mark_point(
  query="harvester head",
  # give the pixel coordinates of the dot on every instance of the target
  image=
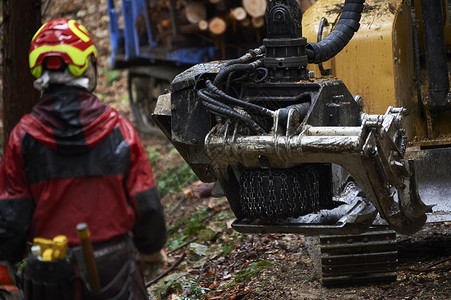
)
(293, 153)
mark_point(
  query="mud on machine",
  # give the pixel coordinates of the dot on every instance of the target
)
(295, 154)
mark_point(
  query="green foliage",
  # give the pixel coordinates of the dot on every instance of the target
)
(250, 271)
(195, 222)
(187, 289)
(194, 289)
(191, 224)
(175, 241)
(173, 150)
(153, 155)
(125, 98)
(223, 215)
(112, 75)
(20, 265)
(170, 283)
(227, 247)
(175, 179)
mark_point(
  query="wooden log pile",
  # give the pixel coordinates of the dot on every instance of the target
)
(197, 23)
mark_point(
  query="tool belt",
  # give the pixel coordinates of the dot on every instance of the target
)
(115, 260)
(42, 280)
(116, 266)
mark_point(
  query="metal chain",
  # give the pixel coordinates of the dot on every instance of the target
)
(260, 195)
(245, 194)
(299, 192)
(285, 198)
(272, 201)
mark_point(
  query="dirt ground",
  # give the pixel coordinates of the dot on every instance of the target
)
(424, 270)
(283, 265)
(219, 263)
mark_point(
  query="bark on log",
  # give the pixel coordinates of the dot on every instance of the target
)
(170, 41)
(224, 20)
(246, 22)
(192, 28)
(258, 22)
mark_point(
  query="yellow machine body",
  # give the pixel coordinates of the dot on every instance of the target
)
(378, 64)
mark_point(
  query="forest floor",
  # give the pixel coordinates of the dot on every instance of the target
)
(217, 262)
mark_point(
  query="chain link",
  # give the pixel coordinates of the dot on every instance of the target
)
(260, 196)
(275, 194)
(285, 197)
(272, 205)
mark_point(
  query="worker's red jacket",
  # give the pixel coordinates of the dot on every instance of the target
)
(73, 159)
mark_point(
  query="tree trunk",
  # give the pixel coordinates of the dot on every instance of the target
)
(192, 28)
(255, 8)
(217, 26)
(258, 22)
(195, 12)
(246, 22)
(21, 19)
(238, 13)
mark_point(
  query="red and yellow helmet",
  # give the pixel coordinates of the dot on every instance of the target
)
(61, 40)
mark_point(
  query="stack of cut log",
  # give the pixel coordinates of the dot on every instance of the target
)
(187, 23)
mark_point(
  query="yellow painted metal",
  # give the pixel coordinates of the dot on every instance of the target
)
(378, 63)
(366, 64)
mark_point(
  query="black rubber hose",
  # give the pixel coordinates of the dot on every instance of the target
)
(232, 114)
(236, 101)
(220, 99)
(219, 79)
(209, 99)
(250, 55)
(347, 25)
(231, 78)
(225, 110)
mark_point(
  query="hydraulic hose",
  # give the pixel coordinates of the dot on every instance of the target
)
(225, 110)
(219, 79)
(331, 45)
(219, 99)
(236, 101)
(251, 54)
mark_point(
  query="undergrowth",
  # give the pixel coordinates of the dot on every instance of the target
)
(171, 179)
